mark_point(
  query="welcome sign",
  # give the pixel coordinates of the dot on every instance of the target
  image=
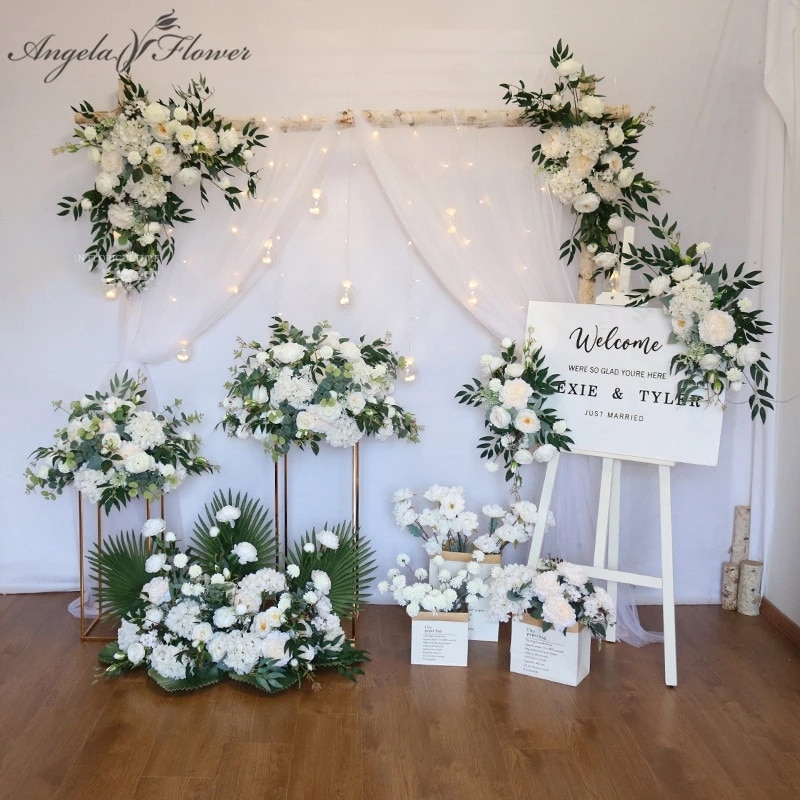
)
(616, 393)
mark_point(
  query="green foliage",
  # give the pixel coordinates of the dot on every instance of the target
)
(350, 567)
(196, 680)
(212, 553)
(117, 569)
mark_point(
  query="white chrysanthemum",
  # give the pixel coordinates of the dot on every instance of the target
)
(165, 660)
(182, 618)
(243, 650)
(555, 142)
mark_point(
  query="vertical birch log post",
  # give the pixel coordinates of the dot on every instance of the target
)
(740, 548)
(730, 585)
(749, 598)
(586, 283)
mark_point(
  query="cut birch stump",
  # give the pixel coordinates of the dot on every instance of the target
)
(740, 548)
(749, 598)
(730, 585)
(586, 282)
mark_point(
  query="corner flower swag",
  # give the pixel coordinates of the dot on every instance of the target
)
(114, 450)
(558, 593)
(456, 591)
(450, 527)
(710, 315)
(142, 151)
(220, 609)
(589, 157)
(302, 390)
(514, 392)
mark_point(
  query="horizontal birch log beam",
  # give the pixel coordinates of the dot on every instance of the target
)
(468, 118)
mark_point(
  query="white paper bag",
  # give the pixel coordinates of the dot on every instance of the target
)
(440, 639)
(552, 655)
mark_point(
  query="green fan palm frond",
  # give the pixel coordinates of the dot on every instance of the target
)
(213, 553)
(350, 567)
(117, 569)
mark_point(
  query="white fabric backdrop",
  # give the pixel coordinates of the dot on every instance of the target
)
(357, 57)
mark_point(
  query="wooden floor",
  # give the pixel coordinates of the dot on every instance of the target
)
(731, 729)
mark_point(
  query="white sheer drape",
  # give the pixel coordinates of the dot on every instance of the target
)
(207, 279)
(470, 202)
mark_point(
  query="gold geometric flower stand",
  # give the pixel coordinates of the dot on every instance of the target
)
(88, 623)
(281, 487)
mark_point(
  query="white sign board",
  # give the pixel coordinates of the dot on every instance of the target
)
(617, 393)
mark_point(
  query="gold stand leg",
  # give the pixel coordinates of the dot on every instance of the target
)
(356, 513)
(85, 629)
(281, 497)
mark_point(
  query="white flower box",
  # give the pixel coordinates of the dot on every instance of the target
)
(552, 655)
(440, 639)
(482, 628)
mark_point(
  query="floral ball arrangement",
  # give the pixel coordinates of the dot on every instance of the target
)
(143, 152)
(306, 389)
(114, 450)
(558, 593)
(711, 316)
(513, 392)
(588, 153)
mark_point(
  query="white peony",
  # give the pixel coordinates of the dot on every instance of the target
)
(229, 139)
(523, 456)
(514, 370)
(120, 216)
(157, 590)
(328, 539)
(288, 352)
(515, 393)
(717, 328)
(136, 653)
(606, 261)
(228, 514)
(544, 453)
(207, 138)
(245, 552)
(586, 203)
(155, 563)
(658, 285)
(616, 223)
(105, 183)
(625, 177)
(321, 581)
(709, 361)
(559, 427)
(558, 612)
(499, 417)
(188, 176)
(616, 136)
(153, 527)
(747, 355)
(684, 272)
(185, 135)
(569, 68)
(592, 106)
(155, 113)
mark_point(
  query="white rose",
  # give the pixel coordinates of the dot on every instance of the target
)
(615, 223)
(105, 183)
(111, 161)
(569, 67)
(127, 275)
(747, 354)
(157, 151)
(157, 591)
(224, 617)
(153, 527)
(544, 453)
(625, 177)
(245, 552)
(188, 176)
(586, 203)
(288, 352)
(321, 581)
(327, 539)
(612, 160)
(514, 370)
(94, 155)
(616, 136)
(556, 101)
(349, 350)
(155, 563)
(527, 422)
(592, 105)
(684, 272)
(260, 394)
(709, 361)
(136, 463)
(523, 456)
(717, 328)
(702, 247)
(499, 417)
(136, 653)
(559, 427)
(155, 113)
(506, 342)
(185, 135)
(658, 285)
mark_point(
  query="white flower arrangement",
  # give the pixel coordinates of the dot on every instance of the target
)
(454, 591)
(114, 450)
(205, 614)
(513, 392)
(302, 390)
(558, 593)
(589, 156)
(448, 526)
(710, 315)
(142, 152)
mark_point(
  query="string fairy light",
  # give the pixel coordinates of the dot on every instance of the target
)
(408, 369)
(184, 351)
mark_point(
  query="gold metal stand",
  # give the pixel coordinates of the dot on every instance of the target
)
(85, 629)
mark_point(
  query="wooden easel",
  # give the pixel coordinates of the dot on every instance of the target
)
(605, 565)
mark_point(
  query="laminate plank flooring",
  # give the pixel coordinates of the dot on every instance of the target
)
(730, 729)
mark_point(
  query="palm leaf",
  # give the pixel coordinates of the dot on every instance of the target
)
(117, 568)
(350, 567)
(254, 526)
(196, 680)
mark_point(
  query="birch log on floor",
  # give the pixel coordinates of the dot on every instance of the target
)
(730, 585)
(740, 548)
(749, 598)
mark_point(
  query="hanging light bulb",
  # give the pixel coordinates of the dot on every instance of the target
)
(269, 253)
(317, 203)
(184, 352)
(473, 293)
(408, 369)
(345, 298)
(111, 293)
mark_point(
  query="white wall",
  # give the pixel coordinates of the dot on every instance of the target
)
(697, 63)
